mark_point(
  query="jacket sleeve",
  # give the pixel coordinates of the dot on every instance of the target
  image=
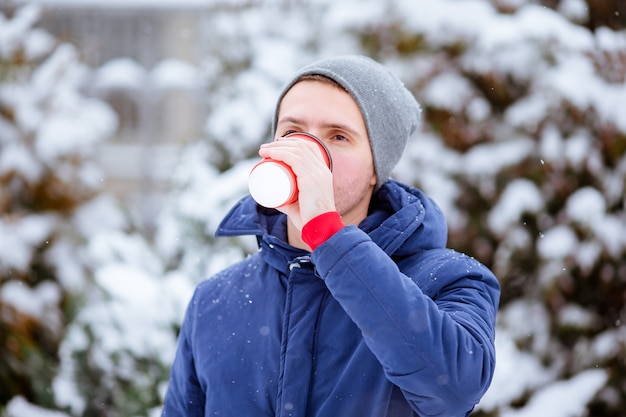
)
(431, 326)
(184, 397)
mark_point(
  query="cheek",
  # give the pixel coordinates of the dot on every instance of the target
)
(350, 172)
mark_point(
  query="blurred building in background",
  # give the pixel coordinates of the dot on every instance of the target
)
(144, 56)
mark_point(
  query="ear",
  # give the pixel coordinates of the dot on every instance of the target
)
(373, 180)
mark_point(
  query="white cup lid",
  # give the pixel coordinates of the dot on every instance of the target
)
(271, 185)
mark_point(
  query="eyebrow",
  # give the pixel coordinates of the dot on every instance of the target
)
(338, 126)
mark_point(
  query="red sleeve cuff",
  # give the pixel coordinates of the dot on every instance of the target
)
(319, 229)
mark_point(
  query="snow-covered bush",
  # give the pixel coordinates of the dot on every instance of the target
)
(86, 310)
(48, 132)
(523, 145)
(525, 148)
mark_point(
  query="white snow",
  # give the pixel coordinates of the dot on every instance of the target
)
(60, 135)
(516, 372)
(122, 73)
(577, 71)
(565, 398)
(539, 23)
(37, 44)
(519, 197)
(588, 254)
(173, 74)
(18, 239)
(486, 160)
(577, 148)
(612, 233)
(551, 145)
(576, 10)
(557, 243)
(573, 315)
(448, 91)
(528, 111)
(18, 159)
(134, 300)
(38, 302)
(448, 19)
(67, 265)
(608, 40)
(99, 215)
(20, 407)
(16, 31)
(586, 206)
(609, 343)
(124, 3)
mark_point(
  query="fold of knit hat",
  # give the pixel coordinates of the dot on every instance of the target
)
(391, 113)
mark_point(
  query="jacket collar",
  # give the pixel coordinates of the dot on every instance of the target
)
(402, 221)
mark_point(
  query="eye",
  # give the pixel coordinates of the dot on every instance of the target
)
(339, 138)
(288, 132)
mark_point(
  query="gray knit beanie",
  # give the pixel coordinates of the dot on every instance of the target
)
(390, 111)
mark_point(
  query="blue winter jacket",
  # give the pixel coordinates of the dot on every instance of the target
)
(380, 320)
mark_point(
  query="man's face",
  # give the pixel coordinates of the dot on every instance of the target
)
(331, 114)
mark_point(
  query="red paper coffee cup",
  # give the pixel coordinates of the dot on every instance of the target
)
(273, 184)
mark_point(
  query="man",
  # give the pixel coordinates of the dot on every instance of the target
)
(352, 307)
